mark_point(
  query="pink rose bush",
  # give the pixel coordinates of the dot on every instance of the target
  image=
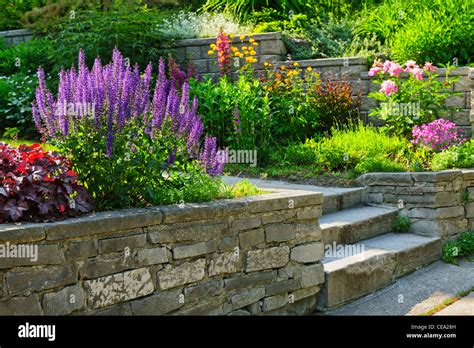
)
(413, 93)
(438, 135)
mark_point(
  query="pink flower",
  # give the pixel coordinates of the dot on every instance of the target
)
(395, 69)
(430, 67)
(410, 65)
(438, 135)
(374, 71)
(386, 66)
(388, 87)
(417, 73)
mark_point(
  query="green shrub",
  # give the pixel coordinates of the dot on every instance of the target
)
(299, 154)
(135, 31)
(241, 189)
(463, 246)
(17, 92)
(237, 113)
(454, 157)
(401, 224)
(26, 57)
(13, 10)
(422, 30)
(378, 164)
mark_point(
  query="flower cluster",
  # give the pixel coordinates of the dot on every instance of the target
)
(394, 69)
(225, 51)
(438, 135)
(118, 95)
(37, 185)
(288, 76)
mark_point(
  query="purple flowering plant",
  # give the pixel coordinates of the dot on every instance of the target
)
(438, 135)
(130, 145)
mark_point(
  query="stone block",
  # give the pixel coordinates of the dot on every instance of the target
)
(185, 273)
(185, 251)
(225, 263)
(118, 287)
(312, 275)
(111, 245)
(65, 301)
(198, 292)
(245, 281)
(26, 281)
(246, 298)
(273, 302)
(30, 255)
(251, 238)
(282, 287)
(307, 253)
(279, 232)
(82, 250)
(161, 302)
(267, 258)
(152, 256)
(29, 305)
(247, 223)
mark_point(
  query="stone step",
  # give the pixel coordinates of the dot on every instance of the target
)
(335, 198)
(356, 224)
(373, 264)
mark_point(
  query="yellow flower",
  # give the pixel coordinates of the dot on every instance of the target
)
(213, 46)
(234, 49)
(283, 67)
(295, 64)
(210, 52)
(265, 63)
(252, 53)
(248, 59)
(255, 60)
(250, 35)
(252, 40)
(270, 88)
(245, 48)
(309, 69)
(242, 37)
(219, 42)
(232, 36)
(255, 43)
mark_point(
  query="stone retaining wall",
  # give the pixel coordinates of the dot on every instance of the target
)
(439, 204)
(255, 255)
(13, 37)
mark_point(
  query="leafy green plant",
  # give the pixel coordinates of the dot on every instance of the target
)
(401, 224)
(13, 10)
(17, 94)
(409, 94)
(454, 157)
(456, 249)
(422, 30)
(241, 189)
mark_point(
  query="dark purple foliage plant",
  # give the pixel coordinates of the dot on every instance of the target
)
(131, 145)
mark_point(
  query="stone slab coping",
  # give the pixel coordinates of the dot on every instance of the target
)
(16, 32)
(210, 40)
(407, 178)
(278, 185)
(126, 219)
(323, 62)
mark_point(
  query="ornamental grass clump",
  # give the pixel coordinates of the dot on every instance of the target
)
(131, 147)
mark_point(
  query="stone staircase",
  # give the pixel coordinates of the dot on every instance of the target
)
(362, 254)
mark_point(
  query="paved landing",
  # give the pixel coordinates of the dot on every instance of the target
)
(418, 292)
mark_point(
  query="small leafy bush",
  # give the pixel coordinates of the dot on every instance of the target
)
(351, 145)
(36, 185)
(437, 135)
(241, 189)
(17, 92)
(462, 247)
(454, 157)
(187, 25)
(130, 149)
(401, 224)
